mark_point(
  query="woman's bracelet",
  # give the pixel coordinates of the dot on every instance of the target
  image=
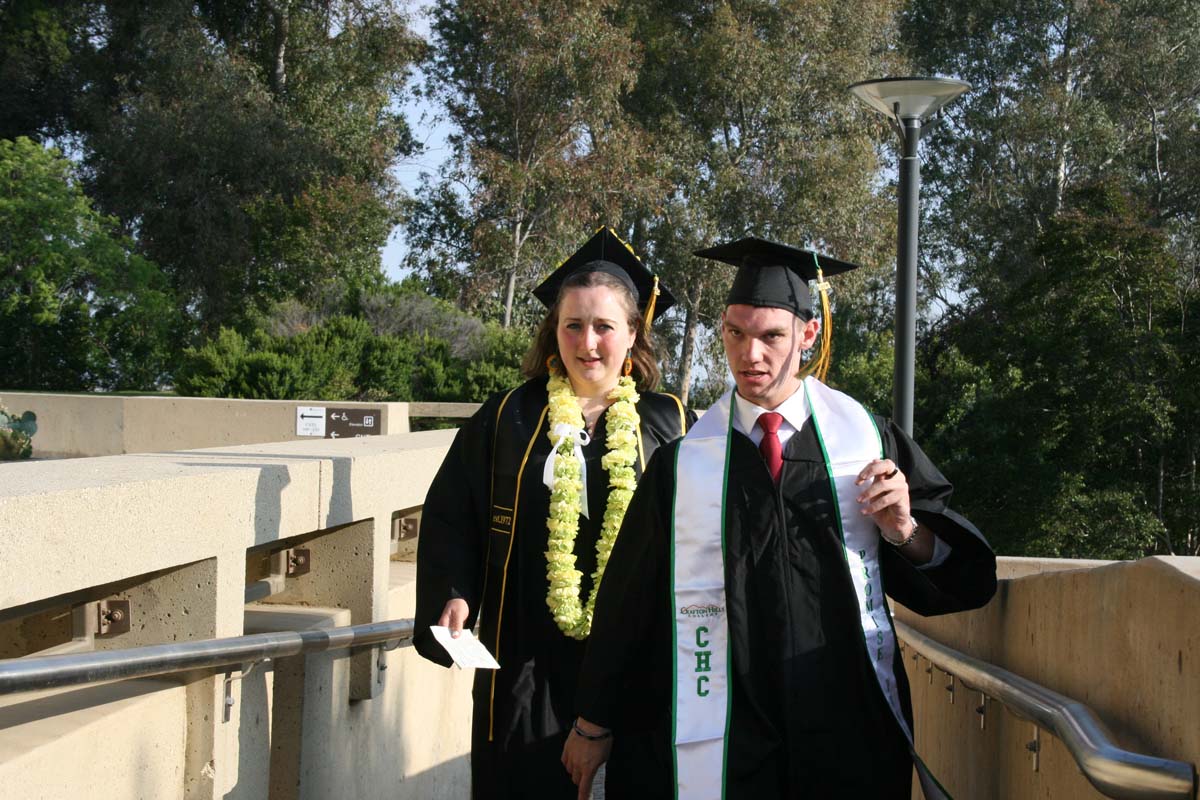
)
(594, 737)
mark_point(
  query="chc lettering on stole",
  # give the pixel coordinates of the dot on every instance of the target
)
(703, 661)
(698, 648)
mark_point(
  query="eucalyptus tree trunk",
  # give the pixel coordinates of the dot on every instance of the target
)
(279, 15)
(1062, 148)
(1193, 546)
(510, 289)
(690, 325)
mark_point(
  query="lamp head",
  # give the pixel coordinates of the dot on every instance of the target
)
(908, 98)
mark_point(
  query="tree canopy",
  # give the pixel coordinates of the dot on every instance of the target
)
(216, 221)
(244, 147)
(79, 309)
(542, 154)
(1060, 234)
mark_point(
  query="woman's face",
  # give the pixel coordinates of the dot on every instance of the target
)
(593, 338)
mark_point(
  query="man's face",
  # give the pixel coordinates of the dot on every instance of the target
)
(763, 346)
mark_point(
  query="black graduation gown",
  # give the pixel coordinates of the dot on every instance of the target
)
(808, 718)
(523, 711)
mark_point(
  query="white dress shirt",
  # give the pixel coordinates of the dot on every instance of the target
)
(795, 412)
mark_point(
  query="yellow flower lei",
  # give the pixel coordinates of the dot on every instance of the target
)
(573, 618)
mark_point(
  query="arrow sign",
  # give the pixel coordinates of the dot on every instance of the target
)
(353, 422)
(310, 420)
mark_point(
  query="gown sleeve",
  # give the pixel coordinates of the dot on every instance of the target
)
(967, 578)
(450, 548)
(616, 663)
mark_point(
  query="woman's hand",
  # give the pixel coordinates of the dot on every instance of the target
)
(582, 757)
(454, 616)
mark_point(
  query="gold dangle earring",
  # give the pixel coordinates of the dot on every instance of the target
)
(552, 364)
(628, 369)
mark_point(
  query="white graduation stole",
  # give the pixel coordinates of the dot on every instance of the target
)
(701, 695)
(849, 439)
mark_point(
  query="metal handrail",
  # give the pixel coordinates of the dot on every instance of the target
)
(1114, 772)
(49, 672)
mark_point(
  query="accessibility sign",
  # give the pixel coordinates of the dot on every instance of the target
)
(338, 423)
(342, 423)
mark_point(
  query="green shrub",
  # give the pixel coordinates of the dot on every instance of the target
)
(209, 371)
(496, 364)
(273, 376)
(330, 354)
(439, 375)
(344, 358)
(388, 367)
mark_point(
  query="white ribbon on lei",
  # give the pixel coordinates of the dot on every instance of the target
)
(561, 434)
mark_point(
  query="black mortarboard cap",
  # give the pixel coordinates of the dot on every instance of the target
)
(607, 252)
(772, 274)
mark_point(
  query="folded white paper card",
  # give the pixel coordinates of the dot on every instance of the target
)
(467, 651)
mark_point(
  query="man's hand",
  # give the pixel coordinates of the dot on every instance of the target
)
(886, 501)
(886, 498)
(454, 616)
(582, 757)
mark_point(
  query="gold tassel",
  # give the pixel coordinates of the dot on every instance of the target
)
(650, 304)
(825, 357)
(818, 365)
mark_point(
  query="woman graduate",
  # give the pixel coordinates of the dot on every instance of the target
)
(520, 519)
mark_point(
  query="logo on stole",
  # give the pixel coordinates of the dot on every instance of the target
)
(698, 611)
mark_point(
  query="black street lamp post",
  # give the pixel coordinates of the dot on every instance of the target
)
(908, 103)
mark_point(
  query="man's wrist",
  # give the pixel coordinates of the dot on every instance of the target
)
(589, 730)
(901, 540)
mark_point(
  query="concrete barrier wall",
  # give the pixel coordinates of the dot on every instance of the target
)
(58, 745)
(175, 533)
(80, 425)
(1121, 637)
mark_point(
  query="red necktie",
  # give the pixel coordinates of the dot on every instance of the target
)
(771, 449)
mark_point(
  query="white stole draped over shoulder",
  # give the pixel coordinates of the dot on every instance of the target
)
(701, 693)
(701, 704)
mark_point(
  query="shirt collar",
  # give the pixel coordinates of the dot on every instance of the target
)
(794, 410)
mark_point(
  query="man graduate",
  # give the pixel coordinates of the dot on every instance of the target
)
(742, 646)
